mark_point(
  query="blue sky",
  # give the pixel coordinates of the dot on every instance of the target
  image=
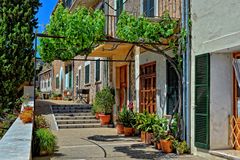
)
(44, 13)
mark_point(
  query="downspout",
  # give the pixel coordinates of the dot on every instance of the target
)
(183, 70)
(188, 69)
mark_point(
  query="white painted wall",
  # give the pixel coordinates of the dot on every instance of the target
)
(220, 99)
(148, 57)
(215, 25)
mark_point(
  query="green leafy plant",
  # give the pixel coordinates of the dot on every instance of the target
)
(40, 122)
(181, 147)
(104, 101)
(127, 117)
(45, 140)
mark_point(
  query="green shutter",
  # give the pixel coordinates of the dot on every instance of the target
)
(97, 74)
(202, 97)
(70, 76)
(119, 7)
(57, 82)
(87, 74)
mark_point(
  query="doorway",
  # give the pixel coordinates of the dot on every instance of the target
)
(236, 107)
(123, 86)
(148, 87)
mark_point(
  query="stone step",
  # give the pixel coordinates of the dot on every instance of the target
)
(72, 107)
(83, 121)
(93, 125)
(73, 117)
(73, 114)
(72, 111)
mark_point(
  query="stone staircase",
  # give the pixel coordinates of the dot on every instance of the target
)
(75, 116)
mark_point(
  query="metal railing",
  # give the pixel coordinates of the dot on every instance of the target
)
(111, 25)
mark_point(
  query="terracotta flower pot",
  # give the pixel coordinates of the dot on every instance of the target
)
(143, 136)
(159, 147)
(120, 129)
(105, 119)
(166, 146)
(97, 115)
(128, 131)
(148, 139)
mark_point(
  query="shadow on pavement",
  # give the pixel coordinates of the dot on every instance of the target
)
(112, 138)
(140, 151)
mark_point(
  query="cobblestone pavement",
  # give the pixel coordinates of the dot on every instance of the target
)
(104, 143)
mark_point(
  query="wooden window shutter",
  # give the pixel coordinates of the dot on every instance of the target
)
(119, 7)
(202, 97)
(118, 77)
(97, 75)
(87, 67)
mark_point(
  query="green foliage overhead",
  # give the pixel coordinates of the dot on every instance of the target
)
(142, 29)
(17, 21)
(82, 29)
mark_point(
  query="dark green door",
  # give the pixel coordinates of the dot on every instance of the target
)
(202, 96)
(172, 88)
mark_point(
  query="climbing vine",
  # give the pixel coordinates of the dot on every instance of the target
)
(81, 30)
(157, 37)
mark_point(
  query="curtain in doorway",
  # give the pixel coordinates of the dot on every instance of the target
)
(236, 66)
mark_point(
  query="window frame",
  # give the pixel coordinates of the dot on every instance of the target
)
(155, 8)
(95, 75)
(89, 72)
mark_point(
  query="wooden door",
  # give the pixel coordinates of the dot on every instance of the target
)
(236, 104)
(123, 86)
(148, 87)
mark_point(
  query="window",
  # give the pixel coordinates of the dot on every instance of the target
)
(77, 80)
(48, 82)
(148, 8)
(68, 3)
(97, 71)
(119, 7)
(87, 73)
(57, 82)
(70, 76)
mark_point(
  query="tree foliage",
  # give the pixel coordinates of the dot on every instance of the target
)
(17, 21)
(81, 28)
(141, 29)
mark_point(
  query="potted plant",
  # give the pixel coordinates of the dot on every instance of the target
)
(59, 96)
(181, 147)
(140, 125)
(104, 100)
(166, 142)
(46, 141)
(95, 111)
(120, 126)
(158, 128)
(128, 121)
(147, 127)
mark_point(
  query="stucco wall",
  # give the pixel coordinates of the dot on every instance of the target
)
(215, 25)
(147, 57)
(220, 99)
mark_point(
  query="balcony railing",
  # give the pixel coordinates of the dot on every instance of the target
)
(111, 25)
(172, 6)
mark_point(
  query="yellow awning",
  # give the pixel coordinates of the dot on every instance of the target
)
(111, 50)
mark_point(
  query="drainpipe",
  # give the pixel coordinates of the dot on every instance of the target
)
(184, 70)
(188, 70)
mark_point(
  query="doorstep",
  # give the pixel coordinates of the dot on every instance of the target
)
(228, 154)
